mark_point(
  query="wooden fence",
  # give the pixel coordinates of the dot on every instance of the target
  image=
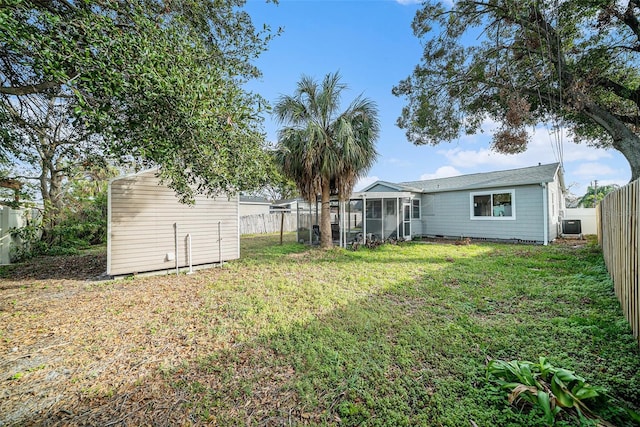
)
(619, 236)
(267, 223)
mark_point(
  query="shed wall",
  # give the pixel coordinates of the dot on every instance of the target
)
(451, 217)
(141, 236)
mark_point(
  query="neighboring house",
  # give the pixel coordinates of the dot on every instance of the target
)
(149, 230)
(250, 205)
(287, 205)
(523, 205)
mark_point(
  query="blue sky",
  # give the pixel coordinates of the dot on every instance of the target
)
(371, 44)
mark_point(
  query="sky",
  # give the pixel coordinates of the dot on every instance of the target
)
(371, 44)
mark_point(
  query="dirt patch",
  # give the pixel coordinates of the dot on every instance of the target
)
(76, 267)
(76, 351)
(69, 343)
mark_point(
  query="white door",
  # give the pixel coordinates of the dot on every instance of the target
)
(406, 221)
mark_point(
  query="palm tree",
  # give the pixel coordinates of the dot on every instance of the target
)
(323, 150)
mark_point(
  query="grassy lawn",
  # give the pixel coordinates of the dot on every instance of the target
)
(397, 335)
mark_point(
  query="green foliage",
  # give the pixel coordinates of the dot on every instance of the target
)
(594, 195)
(522, 63)
(82, 223)
(546, 387)
(157, 83)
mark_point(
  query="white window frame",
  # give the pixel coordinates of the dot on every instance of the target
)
(419, 209)
(491, 193)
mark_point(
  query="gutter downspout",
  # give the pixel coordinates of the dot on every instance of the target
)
(545, 213)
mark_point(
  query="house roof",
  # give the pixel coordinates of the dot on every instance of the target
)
(522, 176)
(398, 187)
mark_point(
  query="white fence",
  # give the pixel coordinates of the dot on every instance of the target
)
(619, 214)
(9, 220)
(267, 223)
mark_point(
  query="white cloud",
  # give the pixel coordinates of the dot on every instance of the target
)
(592, 169)
(541, 149)
(441, 172)
(364, 182)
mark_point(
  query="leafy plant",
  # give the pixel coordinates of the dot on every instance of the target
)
(552, 390)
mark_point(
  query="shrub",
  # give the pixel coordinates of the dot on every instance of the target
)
(553, 391)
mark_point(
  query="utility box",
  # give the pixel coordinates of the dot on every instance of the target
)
(571, 226)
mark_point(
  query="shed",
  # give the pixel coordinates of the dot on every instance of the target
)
(149, 230)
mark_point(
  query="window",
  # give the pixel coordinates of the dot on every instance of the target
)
(390, 207)
(493, 205)
(429, 205)
(374, 209)
(415, 209)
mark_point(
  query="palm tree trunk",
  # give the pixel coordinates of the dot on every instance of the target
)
(326, 242)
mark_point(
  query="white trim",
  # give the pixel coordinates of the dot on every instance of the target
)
(419, 208)
(109, 227)
(488, 192)
(545, 210)
(382, 195)
(238, 223)
(384, 183)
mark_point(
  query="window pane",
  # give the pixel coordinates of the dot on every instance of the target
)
(390, 207)
(416, 209)
(374, 208)
(482, 205)
(502, 204)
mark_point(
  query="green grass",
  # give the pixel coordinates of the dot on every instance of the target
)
(400, 335)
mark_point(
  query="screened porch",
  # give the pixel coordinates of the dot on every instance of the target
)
(365, 217)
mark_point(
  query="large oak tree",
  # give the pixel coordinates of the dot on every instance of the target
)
(150, 80)
(572, 62)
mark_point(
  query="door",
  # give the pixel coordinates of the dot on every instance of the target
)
(406, 221)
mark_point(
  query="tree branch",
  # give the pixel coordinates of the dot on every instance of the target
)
(28, 89)
(619, 90)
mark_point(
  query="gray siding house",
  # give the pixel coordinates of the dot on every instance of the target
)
(250, 205)
(149, 230)
(525, 204)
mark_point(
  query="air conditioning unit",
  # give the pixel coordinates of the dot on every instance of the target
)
(571, 226)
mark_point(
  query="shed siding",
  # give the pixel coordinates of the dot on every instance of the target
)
(142, 215)
(452, 216)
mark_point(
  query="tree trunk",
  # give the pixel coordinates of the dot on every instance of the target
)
(51, 191)
(630, 149)
(624, 140)
(326, 241)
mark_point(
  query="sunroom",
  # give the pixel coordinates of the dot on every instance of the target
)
(367, 216)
